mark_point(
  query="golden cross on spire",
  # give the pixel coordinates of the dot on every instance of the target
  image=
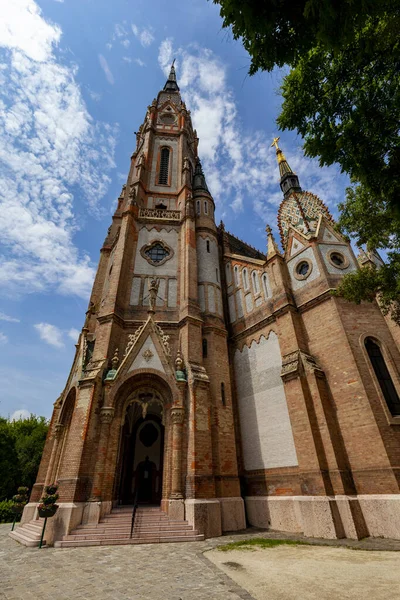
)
(275, 142)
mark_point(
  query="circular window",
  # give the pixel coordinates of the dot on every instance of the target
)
(303, 269)
(157, 253)
(338, 260)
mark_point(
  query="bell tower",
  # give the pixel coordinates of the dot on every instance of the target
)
(151, 371)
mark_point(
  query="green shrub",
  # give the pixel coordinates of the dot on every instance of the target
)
(6, 512)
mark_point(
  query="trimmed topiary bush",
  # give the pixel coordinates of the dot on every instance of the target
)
(7, 513)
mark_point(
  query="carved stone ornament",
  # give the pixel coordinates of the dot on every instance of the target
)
(198, 373)
(164, 340)
(106, 415)
(296, 363)
(132, 338)
(177, 415)
(147, 355)
(58, 429)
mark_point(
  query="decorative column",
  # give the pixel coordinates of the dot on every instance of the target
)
(58, 430)
(106, 417)
(177, 416)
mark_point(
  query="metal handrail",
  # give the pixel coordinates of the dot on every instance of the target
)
(135, 505)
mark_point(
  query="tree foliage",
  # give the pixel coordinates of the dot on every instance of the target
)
(342, 95)
(21, 447)
(372, 222)
(280, 33)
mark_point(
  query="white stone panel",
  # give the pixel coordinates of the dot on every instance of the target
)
(232, 309)
(300, 283)
(266, 286)
(211, 299)
(172, 292)
(135, 292)
(267, 436)
(239, 304)
(328, 236)
(296, 247)
(249, 303)
(152, 362)
(170, 267)
(228, 272)
(202, 300)
(208, 262)
(258, 301)
(218, 299)
(325, 248)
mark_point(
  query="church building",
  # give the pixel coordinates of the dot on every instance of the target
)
(217, 386)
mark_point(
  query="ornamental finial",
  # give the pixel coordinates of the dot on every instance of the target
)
(272, 246)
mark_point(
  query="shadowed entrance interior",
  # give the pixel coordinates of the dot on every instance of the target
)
(141, 457)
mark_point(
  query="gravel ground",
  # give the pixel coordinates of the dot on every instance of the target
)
(312, 572)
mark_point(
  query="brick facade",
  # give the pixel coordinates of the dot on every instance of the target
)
(257, 377)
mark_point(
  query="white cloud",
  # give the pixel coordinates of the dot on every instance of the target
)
(50, 148)
(106, 69)
(96, 96)
(3, 338)
(4, 317)
(238, 164)
(139, 62)
(21, 413)
(50, 334)
(145, 35)
(127, 59)
(73, 334)
(23, 28)
(126, 43)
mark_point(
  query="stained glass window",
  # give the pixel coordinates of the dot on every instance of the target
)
(157, 253)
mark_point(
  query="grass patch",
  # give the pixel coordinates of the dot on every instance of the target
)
(259, 543)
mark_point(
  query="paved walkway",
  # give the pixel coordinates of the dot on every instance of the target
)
(143, 572)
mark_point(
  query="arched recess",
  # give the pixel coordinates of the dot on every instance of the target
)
(381, 369)
(61, 432)
(142, 400)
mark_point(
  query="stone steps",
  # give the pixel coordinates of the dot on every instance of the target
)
(152, 526)
(66, 543)
(29, 534)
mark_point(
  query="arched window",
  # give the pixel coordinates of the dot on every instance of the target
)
(383, 376)
(265, 284)
(205, 348)
(197, 207)
(205, 207)
(223, 399)
(208, 245)
(236, 274)
(245, 279)
(256, 284)
(164, 166)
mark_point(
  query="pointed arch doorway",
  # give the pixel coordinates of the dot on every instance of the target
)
(142, 450)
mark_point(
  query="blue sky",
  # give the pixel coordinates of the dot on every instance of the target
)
(76, 77)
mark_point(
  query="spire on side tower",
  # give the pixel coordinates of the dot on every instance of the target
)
(199, 180)
(171, 85)
(289, 180)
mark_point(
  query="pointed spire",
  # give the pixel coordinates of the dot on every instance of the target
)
(199, 181)
(289, 180)
(171, 85)
(272, 246)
